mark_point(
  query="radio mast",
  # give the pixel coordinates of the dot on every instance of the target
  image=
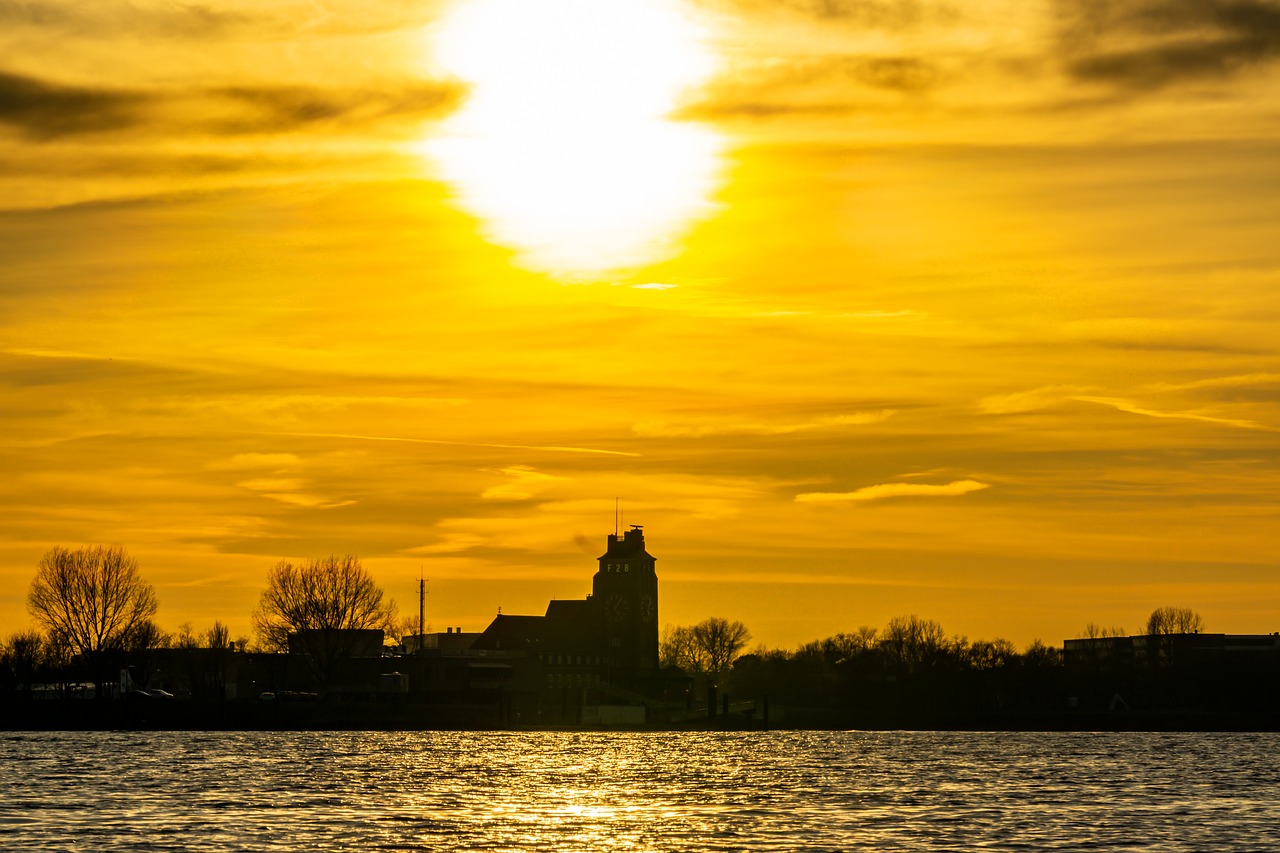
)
(422, 610)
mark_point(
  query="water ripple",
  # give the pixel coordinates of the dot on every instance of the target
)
(638, 792)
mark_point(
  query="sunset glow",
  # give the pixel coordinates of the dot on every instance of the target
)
(564, 145)
(862, 309)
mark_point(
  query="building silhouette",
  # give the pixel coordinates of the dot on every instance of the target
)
(595, 650)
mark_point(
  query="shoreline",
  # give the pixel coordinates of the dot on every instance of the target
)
(198, 717)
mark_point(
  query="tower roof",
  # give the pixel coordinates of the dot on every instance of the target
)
(630, 544)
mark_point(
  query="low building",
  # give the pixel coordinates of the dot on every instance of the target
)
(1195, 672)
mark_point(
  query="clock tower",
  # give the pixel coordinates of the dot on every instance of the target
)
(624, 593)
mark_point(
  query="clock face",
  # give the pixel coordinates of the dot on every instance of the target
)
(616, 606)
(648, 611)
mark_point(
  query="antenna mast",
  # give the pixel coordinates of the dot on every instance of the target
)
(422, 608)
(615, 518)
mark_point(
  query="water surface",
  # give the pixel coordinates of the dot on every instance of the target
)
(273, 791)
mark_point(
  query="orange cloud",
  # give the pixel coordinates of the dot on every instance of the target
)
(696, 429)
(894, 490)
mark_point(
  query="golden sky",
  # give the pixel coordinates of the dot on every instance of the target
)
(862, 307)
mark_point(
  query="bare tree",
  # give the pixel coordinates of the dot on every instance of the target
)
(21, 656)
(185, 637)
(708, 648)
(402, 628)
(94, 601)
(217, 637)
(990, 654)
(840, 648)
(676, 648)
(317, 601)
(1094, 631)
(1174, 620)
(912, 642)
(717, 643)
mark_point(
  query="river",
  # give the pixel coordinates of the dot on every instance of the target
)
(556, 791)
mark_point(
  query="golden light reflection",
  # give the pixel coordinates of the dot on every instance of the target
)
(563, 146)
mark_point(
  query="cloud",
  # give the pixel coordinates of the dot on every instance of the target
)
(1141, 45)
(32, 14)
(306, 501)
(1029, 401)
(1241, 381)
(1055, 395)
(291, 491)
(44, 110)
(105, 17)
(254, 461)
(818, 85)
(870, 14)
(1134, 409)
(547, 448)
(894, 490)
(272, 484)
(450, 543)
(525, 482)
(702, 429)
(276, 109)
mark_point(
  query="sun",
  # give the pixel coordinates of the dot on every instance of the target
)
(564, 146)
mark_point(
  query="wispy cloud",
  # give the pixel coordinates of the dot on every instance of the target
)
(272, 484)
(1029, 401)
(106, 18)
(45, 110)
(292, 491)
(524, 482)
(305, 500)
(1241, 381)
(1140, 45)
(704, 428)
(548, 448)
(450, 543)
(814, 86)
(1135, 409)
(871, 14)
(1051, 396)
(254, 462)
(894, 490)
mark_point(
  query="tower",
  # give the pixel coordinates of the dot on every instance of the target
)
(625, 595)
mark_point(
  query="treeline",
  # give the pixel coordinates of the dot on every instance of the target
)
(911, 666)
(912, 669)
(94, 616)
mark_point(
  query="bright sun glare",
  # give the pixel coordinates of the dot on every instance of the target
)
(564, 147)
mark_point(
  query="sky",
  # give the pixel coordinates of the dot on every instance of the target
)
(863, 308)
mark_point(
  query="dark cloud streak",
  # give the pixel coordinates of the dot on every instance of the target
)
(873, 14)
(276, 109)
(1142, 45)
(104, 19)
(44, 111)
(110, 18)
(779, 90)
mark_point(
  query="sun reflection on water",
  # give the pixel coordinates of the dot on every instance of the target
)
(564, 146)
(695, 791)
